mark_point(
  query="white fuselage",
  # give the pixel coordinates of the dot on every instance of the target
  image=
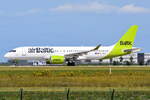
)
(59, 55)
(45, 52)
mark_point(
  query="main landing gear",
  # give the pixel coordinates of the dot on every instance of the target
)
(71, 63)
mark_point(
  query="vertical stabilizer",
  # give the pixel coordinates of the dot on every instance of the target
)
(126, 42)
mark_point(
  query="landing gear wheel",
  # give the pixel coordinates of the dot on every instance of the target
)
(71, 63)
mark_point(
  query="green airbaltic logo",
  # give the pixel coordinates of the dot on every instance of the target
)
(125, 43)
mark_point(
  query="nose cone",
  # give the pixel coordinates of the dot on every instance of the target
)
(6, 55)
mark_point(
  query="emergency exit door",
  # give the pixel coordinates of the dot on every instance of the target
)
(23, 52)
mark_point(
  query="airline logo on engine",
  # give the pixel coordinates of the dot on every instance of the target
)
(125, 43)
(40, 50)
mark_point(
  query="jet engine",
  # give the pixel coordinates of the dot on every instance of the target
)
(56, 60)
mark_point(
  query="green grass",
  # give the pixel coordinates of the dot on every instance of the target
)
(86, 83)
(76, 95)
(74, 77)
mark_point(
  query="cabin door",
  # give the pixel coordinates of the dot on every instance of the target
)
(23, 52)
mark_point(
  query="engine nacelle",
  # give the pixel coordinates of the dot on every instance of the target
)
(56, 60)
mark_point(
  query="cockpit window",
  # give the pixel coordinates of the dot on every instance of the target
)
(12, 51)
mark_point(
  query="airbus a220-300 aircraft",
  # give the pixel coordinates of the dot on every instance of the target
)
(70, 55)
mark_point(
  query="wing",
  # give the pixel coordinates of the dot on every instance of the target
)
(72, 55)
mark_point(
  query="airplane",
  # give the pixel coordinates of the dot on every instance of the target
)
(70, 55)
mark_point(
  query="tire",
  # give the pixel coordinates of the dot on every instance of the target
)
(71, 63)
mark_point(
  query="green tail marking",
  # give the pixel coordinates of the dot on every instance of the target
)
(126, 42)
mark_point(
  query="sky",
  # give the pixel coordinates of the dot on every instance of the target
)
(71, 23)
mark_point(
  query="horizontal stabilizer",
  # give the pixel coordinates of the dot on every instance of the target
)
(133, 50)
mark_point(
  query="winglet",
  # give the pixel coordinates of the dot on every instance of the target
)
(96, 48)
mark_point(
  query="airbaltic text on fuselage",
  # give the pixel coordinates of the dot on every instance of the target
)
(125, 43)
(40, 50)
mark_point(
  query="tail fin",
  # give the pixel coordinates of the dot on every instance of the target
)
(126, 42)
